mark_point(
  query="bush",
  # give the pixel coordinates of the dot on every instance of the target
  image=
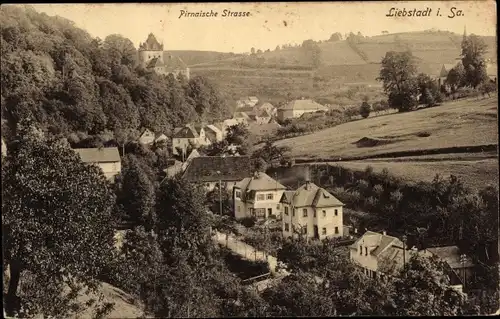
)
(365, 109)
(248, 222)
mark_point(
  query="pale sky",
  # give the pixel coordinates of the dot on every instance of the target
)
(270, 24)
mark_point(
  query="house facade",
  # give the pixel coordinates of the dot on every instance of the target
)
(381, 255)
(297, 108)
(147, 137)
(108, 159)
(374, 252)
(311, 211)
(214, 133)
(257, 196)
(186, 136)
(210, 170)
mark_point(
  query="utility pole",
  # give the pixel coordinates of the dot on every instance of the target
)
(220, 193)
(404, 253)
(463, 259)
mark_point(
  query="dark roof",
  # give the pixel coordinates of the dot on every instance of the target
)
(155, 62)
(204, 168)
(98, 155)
(151, 44)
(311, 195)
(173, 63)
(451, 255)
(186, 132)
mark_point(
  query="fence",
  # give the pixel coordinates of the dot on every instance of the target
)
(244, 250)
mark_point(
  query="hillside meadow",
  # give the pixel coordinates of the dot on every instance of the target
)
(476, 174)
(467, 122)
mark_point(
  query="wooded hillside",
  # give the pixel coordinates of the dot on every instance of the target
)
(69, 82)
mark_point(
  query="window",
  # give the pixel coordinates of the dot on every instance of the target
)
(361, 250)
(314, 213)
(287, 227)
(304, 230)
(269, 196)
(269, 211)
(304, 212)
(237, 194)
(260, 197)
(293, 212)
(336, 212)
(238, 209)
(286, 210)
(366, 251)
(324, 213)
(323, 231)
(336, 230)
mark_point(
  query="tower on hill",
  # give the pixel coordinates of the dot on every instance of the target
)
(152, 57)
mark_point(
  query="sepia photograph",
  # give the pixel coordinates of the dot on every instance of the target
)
(250, 159)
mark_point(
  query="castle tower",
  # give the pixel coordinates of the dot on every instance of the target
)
(150, 50)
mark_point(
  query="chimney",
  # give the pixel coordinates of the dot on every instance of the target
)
(256, 174)
(384, 233)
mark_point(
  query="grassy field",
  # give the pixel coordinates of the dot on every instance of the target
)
(453, 124)
(476, 174)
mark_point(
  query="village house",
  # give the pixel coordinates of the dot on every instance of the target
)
(107, 158)
(147, 137)
(443, 74)
(214, 133)
(460, 264)
(383, 255)
(263, 130)
(268, 107)
(152, 57)
(241, 118)
(257, 196)
(312, 212)
(186, 136)
(210, 170)
(296, 108)
(260, 117)
(252, 100)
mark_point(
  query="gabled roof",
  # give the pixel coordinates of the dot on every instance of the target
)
(213, 128)
(310, 195)
(173, 63)
(155, 62)
(98, 155)
(246, 108)
(187, 131)
(146, 132)
(451, 255)
(379, 241)
(205, 168)
(194, 154)
(151, 44)
(307, 105)
(259, 182)
(239, 115)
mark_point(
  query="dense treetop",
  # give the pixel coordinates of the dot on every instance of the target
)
(69, 82)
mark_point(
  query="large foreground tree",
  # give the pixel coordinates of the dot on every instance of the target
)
(56, 225)
(398, 74)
